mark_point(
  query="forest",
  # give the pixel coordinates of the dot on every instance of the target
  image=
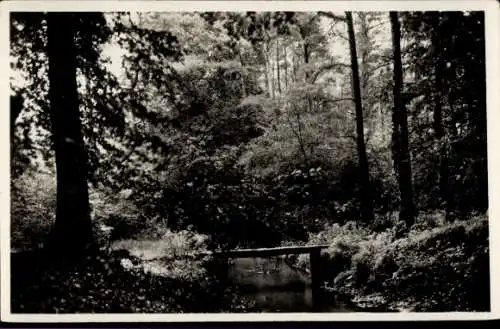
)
(142, 140)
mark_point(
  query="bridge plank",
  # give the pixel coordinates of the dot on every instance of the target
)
(268, 252)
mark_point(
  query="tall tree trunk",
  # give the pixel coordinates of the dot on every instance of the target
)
(72, 232)
(278, 64)
(295, 62)
(365, 47)
(306, 61)
(439, 130)
(267, 73)
(269, 66)
(286, 68)
(366, 194)
(306, 52)
(273, 78)
(403, 165)
(365, 52)
(16, 107)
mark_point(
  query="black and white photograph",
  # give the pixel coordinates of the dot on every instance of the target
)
(329, 160)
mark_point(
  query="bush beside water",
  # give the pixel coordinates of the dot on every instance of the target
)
(435, 266)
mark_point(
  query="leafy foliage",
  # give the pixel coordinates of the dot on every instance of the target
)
(33, 202)
(237, 129)
(437, 266)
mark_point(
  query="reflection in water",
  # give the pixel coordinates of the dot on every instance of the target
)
(276, 287)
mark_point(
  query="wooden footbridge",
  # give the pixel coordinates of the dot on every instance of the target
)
(314, 252)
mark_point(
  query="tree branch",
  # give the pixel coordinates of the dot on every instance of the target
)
(332, 16)
(379, 67)
(340, 100)
(326, 68)
(299, 133)
(339, 35)
(376, 25)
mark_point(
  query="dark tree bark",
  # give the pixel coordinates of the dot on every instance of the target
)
(294, 67)
(400, 122)
(366, 194)
(72, 232)
(286, 68)
(306, 61)
(278, 65)
(16, 106)
(306, 52)
(273, 75)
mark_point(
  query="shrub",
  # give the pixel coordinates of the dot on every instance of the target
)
(116, 216)
(441, 266)
(33, 209)
(176, 255)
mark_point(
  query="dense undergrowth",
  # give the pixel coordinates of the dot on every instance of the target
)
(104, 283)
(434, 266)
(153, 270)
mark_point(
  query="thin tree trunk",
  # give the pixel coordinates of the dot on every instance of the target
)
(266, 62)
(286, 68)
(273, 80)
(365, 52)
(278, 64)
(301, 139)
(270, 67)
(298, 133)
(366, 195)
(306, 61)
(72, 232)
(294, 67)
(407, 211)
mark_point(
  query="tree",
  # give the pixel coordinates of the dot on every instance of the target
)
(97, 118)
(73, 228)
(278, 64)
(447, 124)
(439, 131)
(366, 195)
(400, 126)
(374, 69)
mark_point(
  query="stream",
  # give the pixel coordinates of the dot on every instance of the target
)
(270, 284)
(274, 286)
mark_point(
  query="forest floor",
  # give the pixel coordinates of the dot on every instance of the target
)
(100, 284)
(445, 268)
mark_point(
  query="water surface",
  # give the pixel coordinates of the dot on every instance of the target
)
(274, 286)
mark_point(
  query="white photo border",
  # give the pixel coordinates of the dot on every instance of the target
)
(492, 23)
